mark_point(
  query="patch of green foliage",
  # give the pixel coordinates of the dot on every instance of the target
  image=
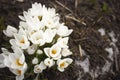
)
(1, 24)
(104, 7)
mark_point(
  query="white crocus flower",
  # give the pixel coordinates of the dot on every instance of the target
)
(51, 19)
(66, 52)
(38, 38)
(10, 31)
(53, 52)
(49, 62)
(64, 63)
(43, 15)
(31, 49)
(49, 35)
(51, 13)
(15, 60)
(64, 31)
(37, 10)
(33, 21)
(62, 42)
(39, 51)
(40, 67)
(51, 22)
(38, 27)
(20, 41)
(19, 72)
(35, 60)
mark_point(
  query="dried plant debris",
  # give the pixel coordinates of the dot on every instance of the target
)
(95, 40)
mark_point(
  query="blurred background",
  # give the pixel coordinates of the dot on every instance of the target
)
(95, 41)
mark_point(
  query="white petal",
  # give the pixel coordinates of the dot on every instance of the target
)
(13, 43)
(57, 57)
(31, 49)
(22, 59)
(55, 50)
(63, 63)
(70, 31)
(64, 31)
(24, 68)
(58, 61)
(62, 42)
(42, 65)
(22, 32)
(60, 69)
(19, 55)
(12, 57)
(19, 71)
(18, 51)
(35, 60)
(5, 51)
(47, 50)
(14, 66)
(68, 60)
(2, 65)
(37, 69)
(14, 71)
(20, 77)
(49, 62)
(23, 25)
(37, 38)
(21, 41)
(22, 18)
(7, 62)
(49, 35)
(1, 61)
(66, 52)
(10, 31)
(39, 51)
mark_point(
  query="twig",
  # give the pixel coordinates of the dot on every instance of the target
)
(76, 40)
(115, 55)
(80, 50)
(116, 61)
(76, 3)
(75, 19)
(63, 6)
(92, 73)
(53, 4)
(93, 77)
(37, 77)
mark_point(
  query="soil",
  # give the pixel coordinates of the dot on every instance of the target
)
(85, 17)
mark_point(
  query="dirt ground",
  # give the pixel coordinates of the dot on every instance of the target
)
(85, 17)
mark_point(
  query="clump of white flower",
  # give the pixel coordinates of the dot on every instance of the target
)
(40, 42)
